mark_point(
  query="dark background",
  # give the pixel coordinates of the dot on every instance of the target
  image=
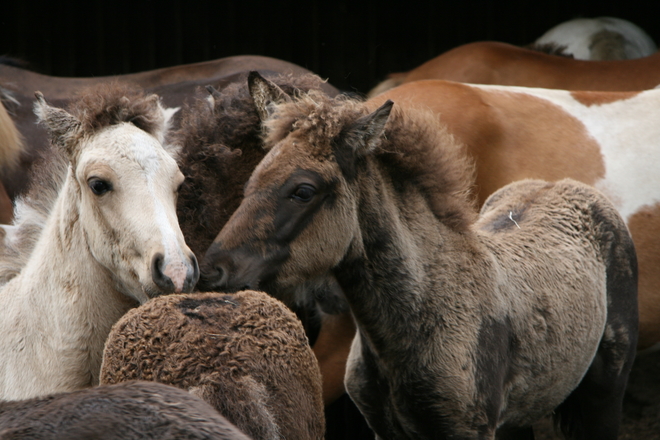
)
(353, 43)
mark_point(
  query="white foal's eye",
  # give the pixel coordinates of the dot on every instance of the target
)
(99, 187)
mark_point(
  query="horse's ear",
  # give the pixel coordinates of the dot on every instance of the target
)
(63, 128)
(265, 93)
(364, 135)
(163, 125)
(213, 95)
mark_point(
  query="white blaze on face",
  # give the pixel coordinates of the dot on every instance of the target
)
(628, 133)
(157, 165)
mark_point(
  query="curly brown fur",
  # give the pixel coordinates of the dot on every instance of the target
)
(409, 146)
(111, 104)
(131, 410)
(246, 354)
(220, 147)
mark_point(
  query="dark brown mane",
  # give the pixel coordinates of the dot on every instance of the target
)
(111, 104)
(415, 147)
(550, 49)
(220, 147)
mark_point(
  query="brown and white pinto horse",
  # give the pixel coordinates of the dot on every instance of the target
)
(491, 62)
(465, 329)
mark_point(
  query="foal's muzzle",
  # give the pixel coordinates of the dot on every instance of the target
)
(174, 277)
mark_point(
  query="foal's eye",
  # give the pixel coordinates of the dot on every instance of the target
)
(99, 187)
(303, 193)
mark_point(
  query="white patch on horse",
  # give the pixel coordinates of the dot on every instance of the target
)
(628, 134)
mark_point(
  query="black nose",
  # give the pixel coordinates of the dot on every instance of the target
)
(162, 281)
(214, 277)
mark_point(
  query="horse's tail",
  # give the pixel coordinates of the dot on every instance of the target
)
(31, 211)
(393, 80)
(11, 141)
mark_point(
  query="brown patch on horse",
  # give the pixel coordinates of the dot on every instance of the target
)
(644, 227)
(608, 45)
(600, 98)
(495, 128)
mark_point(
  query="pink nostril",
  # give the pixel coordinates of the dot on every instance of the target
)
(175, 277)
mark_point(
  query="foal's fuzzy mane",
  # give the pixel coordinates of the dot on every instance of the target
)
(112, 104)
(415, 147)
(212, 138)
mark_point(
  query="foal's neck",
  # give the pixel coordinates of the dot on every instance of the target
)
(63, 279)
(394, 273)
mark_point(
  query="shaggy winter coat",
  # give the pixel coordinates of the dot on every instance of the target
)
(246, 354)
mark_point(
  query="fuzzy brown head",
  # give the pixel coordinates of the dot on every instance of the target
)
(300, 214)
(297, 218)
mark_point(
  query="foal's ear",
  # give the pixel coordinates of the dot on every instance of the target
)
(163, 123)
(63, 128)
(364, 135)
(213, 95)
(265, 93)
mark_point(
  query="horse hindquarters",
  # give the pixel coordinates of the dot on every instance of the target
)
(593, 409)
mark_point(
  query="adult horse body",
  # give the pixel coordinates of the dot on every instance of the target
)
(600, 38)
(464, 329)
(95, 257)
(491, 62)
(175, 85)
(26, 82)
(606, 139)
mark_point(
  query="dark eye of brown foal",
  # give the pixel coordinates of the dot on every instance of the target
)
(99, 187)
(303, 193)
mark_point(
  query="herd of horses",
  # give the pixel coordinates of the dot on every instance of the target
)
(469, 249)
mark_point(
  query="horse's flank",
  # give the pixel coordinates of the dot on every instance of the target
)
(504, 64)
(27, 82)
